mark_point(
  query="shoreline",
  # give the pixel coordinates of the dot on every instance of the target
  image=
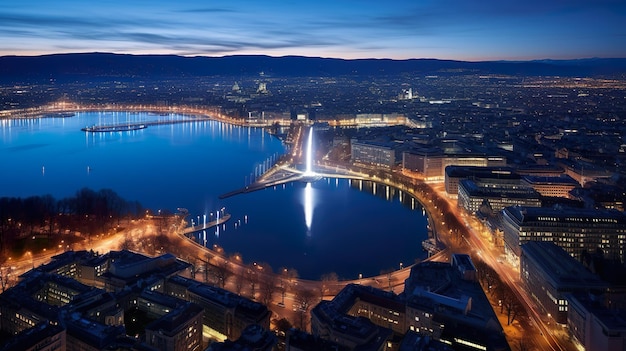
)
(57, 110)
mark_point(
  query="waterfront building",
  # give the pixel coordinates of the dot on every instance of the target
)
(473, 194)
(428, 162)
(549, 273)
(379, 154)
(594, 326)
(575, 230)
(84, 266)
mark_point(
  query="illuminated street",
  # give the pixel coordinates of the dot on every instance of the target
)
(286, 292)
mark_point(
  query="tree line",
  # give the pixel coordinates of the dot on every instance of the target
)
(87, 211)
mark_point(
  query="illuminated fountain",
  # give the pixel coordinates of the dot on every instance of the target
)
(309, 176)
(308, 171)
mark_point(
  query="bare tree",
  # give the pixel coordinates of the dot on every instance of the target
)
(220, 272)
(305, 299)
(512, 308)
(239, 282)
(252, 277)
(127, 244)
(267, 289)
(486, 275)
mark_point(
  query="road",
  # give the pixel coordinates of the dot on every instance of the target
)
(481, 244)
(140, 232)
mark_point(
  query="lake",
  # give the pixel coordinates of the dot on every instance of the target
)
(351, 230)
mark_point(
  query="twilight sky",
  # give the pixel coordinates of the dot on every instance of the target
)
(400, 29)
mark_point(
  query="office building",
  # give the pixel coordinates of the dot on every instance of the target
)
(42, 337)
(432, 162)
(549, 273)
(446, 302)
(353, 333)
(178, 330)
(551, 186)
(374, 153)
(594, 326)
(441, 300)
(226, 315)
(253, 338)
(575, 230)
(496, 175)
(473, 194)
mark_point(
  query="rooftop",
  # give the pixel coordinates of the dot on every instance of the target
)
(562, 269)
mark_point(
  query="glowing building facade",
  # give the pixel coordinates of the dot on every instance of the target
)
(575, 230)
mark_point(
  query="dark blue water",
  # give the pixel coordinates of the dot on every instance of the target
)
(190, 165)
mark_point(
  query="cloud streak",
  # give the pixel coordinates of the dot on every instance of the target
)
(452, 29)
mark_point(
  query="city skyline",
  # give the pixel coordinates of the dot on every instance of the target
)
(450, 29)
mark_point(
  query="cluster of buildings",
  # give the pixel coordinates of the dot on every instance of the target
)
(538, 160)
(557, 216)
(121, 301)
(592, 309)
(127, 301)
(443, 307)
(561, 225)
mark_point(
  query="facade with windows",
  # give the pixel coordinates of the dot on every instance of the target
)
(575, 230)
(226, 315)
(433, 162)
(178, 330)
(373, 153)
(594, 326)
(494, 175)
(443, 301)
(473, 194)
(552, 186)
(550, 273)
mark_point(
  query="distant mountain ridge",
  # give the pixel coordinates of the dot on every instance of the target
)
(83, 65)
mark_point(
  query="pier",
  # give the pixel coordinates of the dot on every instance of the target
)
(208, 225)
(125, 127)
